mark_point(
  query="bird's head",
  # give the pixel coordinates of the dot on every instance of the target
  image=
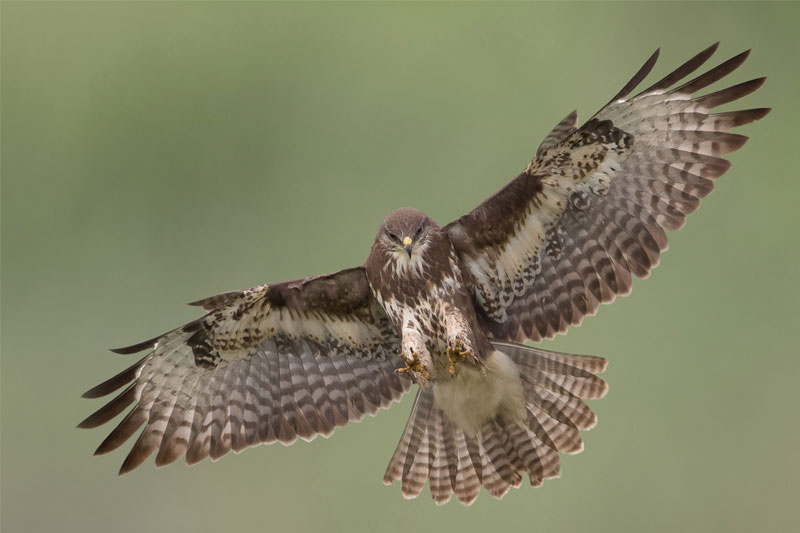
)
(405, 234)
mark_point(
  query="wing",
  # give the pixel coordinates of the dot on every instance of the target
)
(276, 362)
(592, 207)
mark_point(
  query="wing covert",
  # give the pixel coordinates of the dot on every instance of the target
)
(271, 363)
(592, 207)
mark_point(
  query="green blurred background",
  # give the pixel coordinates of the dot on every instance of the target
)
(154, 153)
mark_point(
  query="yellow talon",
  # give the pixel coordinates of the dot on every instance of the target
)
(455, 352)
(413, 364)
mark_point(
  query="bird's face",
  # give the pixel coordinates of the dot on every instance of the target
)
(405, 236)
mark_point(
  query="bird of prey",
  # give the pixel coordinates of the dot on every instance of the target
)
(448, 308)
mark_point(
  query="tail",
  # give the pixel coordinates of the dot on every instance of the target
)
(433, 447)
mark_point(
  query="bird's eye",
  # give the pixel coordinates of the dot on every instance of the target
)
(393, 236)
(418, 232)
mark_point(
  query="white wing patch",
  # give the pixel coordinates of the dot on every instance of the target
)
(570, 173)
(240, 326)
(593, 207)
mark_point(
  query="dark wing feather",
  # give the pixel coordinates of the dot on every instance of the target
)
(592, 208)
(275, 362)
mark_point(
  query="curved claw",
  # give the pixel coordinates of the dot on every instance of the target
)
(455, 352)
(413, 364)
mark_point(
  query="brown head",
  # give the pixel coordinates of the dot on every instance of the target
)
(405, 232)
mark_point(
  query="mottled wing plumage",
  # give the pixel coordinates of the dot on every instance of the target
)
(276, 362)
(298, 359)
(592, 208)
(563, 129)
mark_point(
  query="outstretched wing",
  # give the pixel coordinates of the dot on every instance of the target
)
(592, 207)
(275, 362)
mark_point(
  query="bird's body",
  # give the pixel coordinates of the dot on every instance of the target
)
(448, 307)
(426, 294)
(424, 291)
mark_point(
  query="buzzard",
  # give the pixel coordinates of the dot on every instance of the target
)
(448, 308)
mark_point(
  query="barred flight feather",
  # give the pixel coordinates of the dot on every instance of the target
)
(285, 385)
(665, 160)
(293, 360)
(504, 450)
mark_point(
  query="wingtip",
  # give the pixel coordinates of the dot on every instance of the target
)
(640, 75)
(682, 71)
(90, 422)
(759, 113)
(130, 464)
(715, 74)
(654, 56)
(135, 458)
(709, 50)
(98, 391)
(89, 394)
(127, 350)
(741, 57)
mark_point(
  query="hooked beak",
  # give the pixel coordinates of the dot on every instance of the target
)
(407, 242)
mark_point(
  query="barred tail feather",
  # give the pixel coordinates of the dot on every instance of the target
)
(506, 448)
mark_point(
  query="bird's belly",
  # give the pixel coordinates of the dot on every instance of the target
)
(475, 396)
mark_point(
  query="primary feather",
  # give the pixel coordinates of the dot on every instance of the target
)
(298, 359)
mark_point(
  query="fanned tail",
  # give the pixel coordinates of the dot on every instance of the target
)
(434, 448)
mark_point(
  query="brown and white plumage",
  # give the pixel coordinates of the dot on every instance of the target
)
(592, 208)
(250, 372)
(298, 359)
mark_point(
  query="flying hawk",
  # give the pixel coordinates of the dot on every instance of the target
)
(448, 308)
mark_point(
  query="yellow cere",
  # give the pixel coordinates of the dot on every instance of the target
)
(407, 241)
